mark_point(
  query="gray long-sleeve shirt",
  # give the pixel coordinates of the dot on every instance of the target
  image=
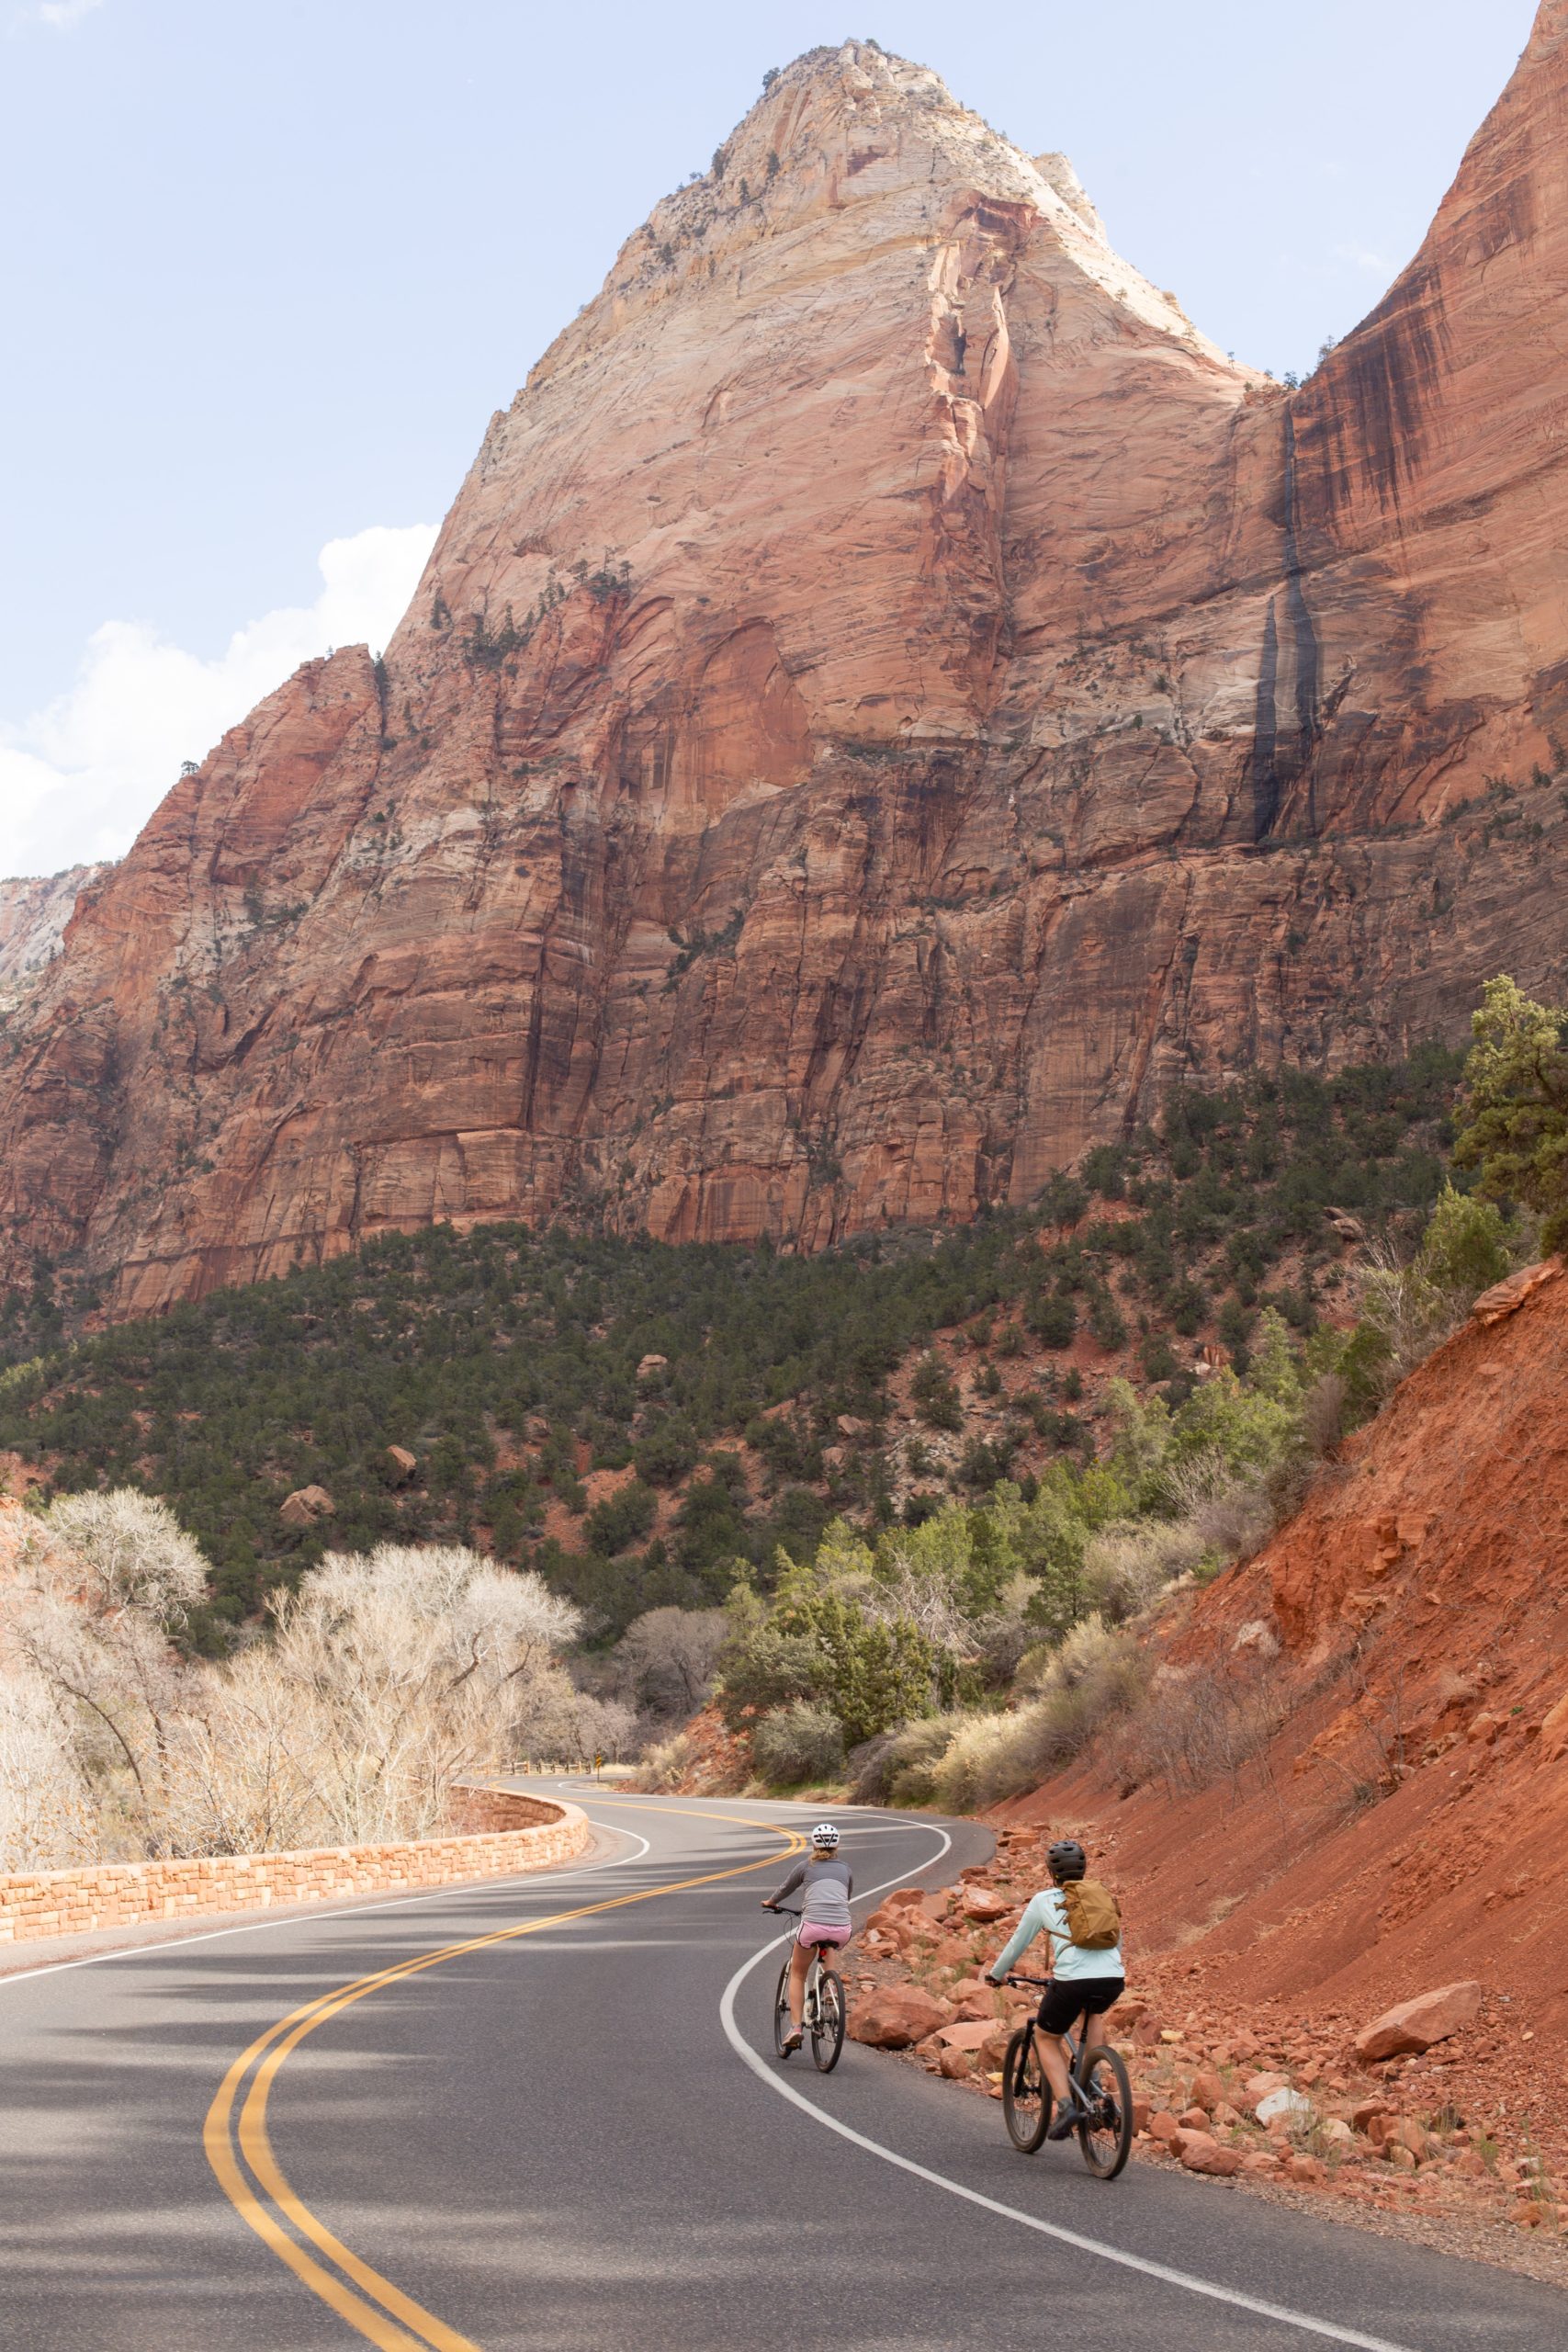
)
(825, 1890)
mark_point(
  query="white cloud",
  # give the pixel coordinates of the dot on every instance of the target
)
(79, 778)
(1363, 257)
(61, 14)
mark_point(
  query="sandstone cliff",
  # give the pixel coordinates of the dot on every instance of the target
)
(33, 916)
(888, 697)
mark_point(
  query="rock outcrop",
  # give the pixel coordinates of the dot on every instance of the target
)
(889, 696)
(33, 916)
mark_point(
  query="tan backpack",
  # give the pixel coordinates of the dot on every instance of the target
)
(1094, 1922)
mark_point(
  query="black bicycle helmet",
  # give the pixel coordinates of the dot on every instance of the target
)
(1067, 1858)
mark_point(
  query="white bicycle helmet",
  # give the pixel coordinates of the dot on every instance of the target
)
(825, 1835)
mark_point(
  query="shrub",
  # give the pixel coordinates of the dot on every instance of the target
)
(665, 1764)
(1198, 1725)
(1095, 1676)
(895, 1768)
(667, 1453)
(1465, 1247)
(797, 1743)
(934, 1396)
(1130, 1563)
(1053, 1320)
(621, 1520)
(1105, 1322)
(1410, 1307)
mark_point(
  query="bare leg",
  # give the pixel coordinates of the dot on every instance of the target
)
(1053, 2058)
(800, 1962)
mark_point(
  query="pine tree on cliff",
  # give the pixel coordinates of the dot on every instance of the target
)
(1517, 1078)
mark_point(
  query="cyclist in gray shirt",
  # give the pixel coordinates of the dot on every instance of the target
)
(825, 1886)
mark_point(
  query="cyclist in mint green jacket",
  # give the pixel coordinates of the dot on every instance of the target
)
(1085, 1981)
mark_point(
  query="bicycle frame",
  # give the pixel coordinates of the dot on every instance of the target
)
(809, 2010)
(1077, 2051)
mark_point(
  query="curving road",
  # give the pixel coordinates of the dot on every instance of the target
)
(534, 2113)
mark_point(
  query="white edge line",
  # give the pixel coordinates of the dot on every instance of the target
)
(347, 1911)
(1160, 2271)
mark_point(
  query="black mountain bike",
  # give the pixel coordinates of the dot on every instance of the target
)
(1099, 2077)
(821, 2010)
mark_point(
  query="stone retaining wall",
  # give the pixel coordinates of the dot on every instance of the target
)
(502, 1832)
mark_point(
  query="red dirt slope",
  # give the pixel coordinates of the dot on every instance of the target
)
(1406, 1826)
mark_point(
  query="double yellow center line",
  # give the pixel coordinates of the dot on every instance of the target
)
(239, 2151)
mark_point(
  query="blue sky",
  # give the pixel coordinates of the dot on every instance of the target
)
(270, 264)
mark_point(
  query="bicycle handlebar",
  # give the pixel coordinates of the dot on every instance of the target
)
(783, 1910)
(1014, 1978)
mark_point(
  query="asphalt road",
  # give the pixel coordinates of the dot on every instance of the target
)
(569, 2132)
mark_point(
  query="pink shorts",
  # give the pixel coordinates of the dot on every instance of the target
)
(810, 1934)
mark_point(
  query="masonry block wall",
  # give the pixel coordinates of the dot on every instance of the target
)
(497, 1833)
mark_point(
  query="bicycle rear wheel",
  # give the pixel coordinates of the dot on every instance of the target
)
(1106, 2138)
(781, 2013)
(827, 2026)
(1026, 2095)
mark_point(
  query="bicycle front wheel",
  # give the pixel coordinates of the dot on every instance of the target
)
(1106, 2138)
(781, 2013)
(1026, 2095)
(828, 2025)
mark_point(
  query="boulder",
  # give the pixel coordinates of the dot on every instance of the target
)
(1509, 1295)
(1416, 2025)
(305, 1505)
(401, 1463)
(975, 2006)
(1554, 1731)
(1163, 2125)
(1200, 2152)
(896, 2016)
(956, 2064)
(967, 2033)
(1258, 2087)
(1307, 2170)
(650, 1366)
(1284, 2107)
(1194, 2118)
(1206, 2090)
(985, 1906)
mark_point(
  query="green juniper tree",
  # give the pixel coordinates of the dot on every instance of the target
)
(1517, 1080)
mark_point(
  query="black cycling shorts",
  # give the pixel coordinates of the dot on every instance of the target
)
(1065, 2002)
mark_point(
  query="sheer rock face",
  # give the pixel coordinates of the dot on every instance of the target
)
(33, 916)
(888, 698)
